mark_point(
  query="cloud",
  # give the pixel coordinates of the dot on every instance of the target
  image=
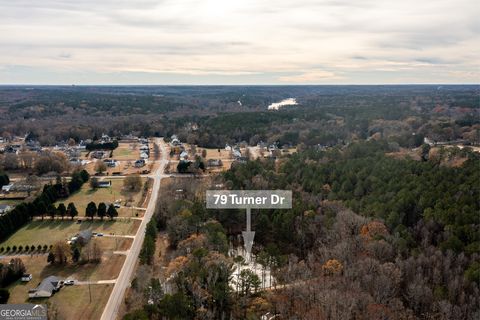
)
(309, 77)
(304, 41)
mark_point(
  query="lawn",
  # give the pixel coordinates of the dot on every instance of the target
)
(48, 232)
(10, 202)
(126, 151)
(75, 303)
(71, 302)
(107, 195)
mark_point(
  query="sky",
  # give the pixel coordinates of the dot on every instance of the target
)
(239, 42)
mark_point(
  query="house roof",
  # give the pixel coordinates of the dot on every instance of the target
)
(5, 206)
(85, 234)
(48, 284)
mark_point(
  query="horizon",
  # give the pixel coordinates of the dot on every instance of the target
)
(240, 85)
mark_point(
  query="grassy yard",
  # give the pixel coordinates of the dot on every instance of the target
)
(107, 195)
(10, 202)
(72, 302)
(48, 232)
(126, 151)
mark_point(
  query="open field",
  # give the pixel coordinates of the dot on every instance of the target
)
(127, 151)
(48, 232)
(109, 244)
(107, 195)
(75, 303)
(10, 202)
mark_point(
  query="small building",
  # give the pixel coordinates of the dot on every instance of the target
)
(26, 277)
(4, 208)
(46, 288)
(104, 184)
(214, 163)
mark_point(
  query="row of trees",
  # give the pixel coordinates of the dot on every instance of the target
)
(42, 205)
(28, 249)
(101, 211)
(148, 247)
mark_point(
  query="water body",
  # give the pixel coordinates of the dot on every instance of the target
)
(283, 103)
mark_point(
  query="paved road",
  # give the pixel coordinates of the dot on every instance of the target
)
(117, 296)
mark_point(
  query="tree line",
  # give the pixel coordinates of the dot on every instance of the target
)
(42, 204)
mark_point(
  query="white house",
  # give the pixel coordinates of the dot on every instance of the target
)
(184, 155)
(6, 188)
(4, 208)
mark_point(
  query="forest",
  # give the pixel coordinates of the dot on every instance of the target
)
(212, 116)
(369, 236)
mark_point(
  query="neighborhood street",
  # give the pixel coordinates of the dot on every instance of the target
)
(122, 282)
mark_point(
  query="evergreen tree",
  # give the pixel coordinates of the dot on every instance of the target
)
(62, 210)
(112, 212)
(102, 210)
(72, 210)
(91, 210)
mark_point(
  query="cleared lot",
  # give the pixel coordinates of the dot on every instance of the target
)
(48, 232)
(107, 195)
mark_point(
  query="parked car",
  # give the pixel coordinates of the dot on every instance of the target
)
(99, 234)
(69, 282)
(117, 205)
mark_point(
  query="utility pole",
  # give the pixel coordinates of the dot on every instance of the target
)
(90, 292)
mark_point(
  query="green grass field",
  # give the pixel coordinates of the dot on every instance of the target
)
(107, 195)
(48, 232)
(126, 152)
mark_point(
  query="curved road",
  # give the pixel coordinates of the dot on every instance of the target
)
(116, 297)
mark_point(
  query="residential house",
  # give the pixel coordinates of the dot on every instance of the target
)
(110, 163)
(4, 208)
(236, 153)
(46, 288)
(184, 155)
(97, 154)
(7, 187)
(139, 163)
(84, 236)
